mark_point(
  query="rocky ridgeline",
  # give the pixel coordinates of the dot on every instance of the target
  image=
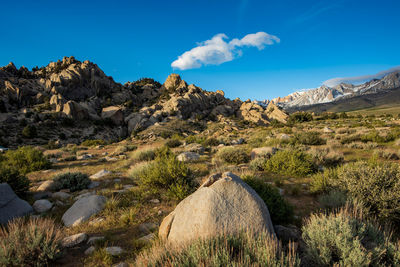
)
(82, 92)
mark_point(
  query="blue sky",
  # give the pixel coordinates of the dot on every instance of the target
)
(319, 40)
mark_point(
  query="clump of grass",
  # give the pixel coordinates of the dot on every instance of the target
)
(233, 155)
(94, 142)
(290, 162)
(144, 155)
(347, 238)
(323, 182)
(171, 143)
(332, 200)
(308, 138)
(244, 249)
(29, 242)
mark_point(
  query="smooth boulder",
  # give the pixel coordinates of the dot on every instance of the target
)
(224, 204)
(11, 206)
(188, 156)
(83, 209)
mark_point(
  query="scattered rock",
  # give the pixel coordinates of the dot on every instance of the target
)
(284, 137)
(114, 251)
(117, 180)
(42, 195)
(11, 206)
(224, 205)
(238, 141)
(49, 185)
(147, 238)
(73, 240)
(90, 250)
(100, 174)
(83, 209)
(328, 130)
(93, 184)
(266, 152)
(188, 156)
(42, 205)
(84, 156)
(194, 147)
(155, 201)
(92, 240)
(147, 227)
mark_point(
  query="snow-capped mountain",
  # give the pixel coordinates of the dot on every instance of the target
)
(325, 94)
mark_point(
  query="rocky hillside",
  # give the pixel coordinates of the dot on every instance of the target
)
(70, 101)
(325, 94)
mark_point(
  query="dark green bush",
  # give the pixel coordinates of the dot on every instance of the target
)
(323, 182)
(95, 142)
(350, 139)
(29, 131)
(18, 182)
(308, 138)
(347, 238)
(299, 117)
(173, 143)
(73, 181)
(29, 242)
(211, 142)
(290, 162)
(233, 155)
(25, 159)
(144, 155)
(280, 210)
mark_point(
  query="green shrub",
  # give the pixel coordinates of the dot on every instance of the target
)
(299, 117)
(95, 142)
(308, 138)
(18, 182)
(29, 131)
(73, 181)
(350, 139)
(280, 210)
(243, 249)
(376, 185)
(374, 136)
(346, 238)
(233, 155)
(166, 172)
(257, 164)
(290, 162)
(25, 159)
(323, 182)
(211, 142)
(31, 242)
(144, 155)
(173, 143)
(332, 200)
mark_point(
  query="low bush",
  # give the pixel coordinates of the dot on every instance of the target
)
(299, 117)
(332, 200)
(243, 249)
(166, 172)
(73, 181)
(257, 164)
(29, 242)
(95, 142)
(323, 182)
(25, 159)
(290, 162)
(173, 143)
(144, 155)
(18, 182)
(210, 142)
(233, 155)
(29, 131)
(347, 238)
(308, 138)
(280, 210)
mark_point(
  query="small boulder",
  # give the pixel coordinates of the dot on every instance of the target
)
(11, 206)
(194, 147)
(188, 156)
(114, 251)
(61, 195)
(73, 240)
(147, 238)
(92, 240)
(222, 205)
(42, 205)
(90, 250)
(49, 185)
(265, 152)
(328, 130)
(100, 174)
(83, 209)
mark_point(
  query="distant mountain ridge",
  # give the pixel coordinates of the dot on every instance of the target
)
(342, 92)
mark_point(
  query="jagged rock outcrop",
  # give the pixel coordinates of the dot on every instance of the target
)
(114, 113)
(222, 205)
(75, 111)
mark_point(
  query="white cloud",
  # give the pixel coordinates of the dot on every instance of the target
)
(217, 51)
(359, 79)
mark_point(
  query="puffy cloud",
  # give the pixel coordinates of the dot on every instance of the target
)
(217, 50)
(359, 79)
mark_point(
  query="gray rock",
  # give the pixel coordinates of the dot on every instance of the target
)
(73, 240)
(93, 184)
(89, 250)
(194, 147)
(222, 206)
(147, 238)
(114, 251)
(83, 209)
(49, 185)
(155, 201)
(11, 206)
(84, 157)
(147, 227)
(41, 195)
(188, 156)
(287, 233)
(100, 174)
(264, 152)
(42, 205)
(92, 240)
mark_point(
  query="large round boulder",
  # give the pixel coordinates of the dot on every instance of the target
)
(83, 209)
(224, 204)
(11, 206)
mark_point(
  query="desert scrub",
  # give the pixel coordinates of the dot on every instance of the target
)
(29, 131)
(299, 117)
(243, 249)
(25, 159)
(166, 172)
(347, 238)
(29, 242)
(233, 155)
(326, 156)
(143, 155)
(280, 210)
(173, 143)
(94, 142)
(210, 142)
(290, 162)
(308, 138)
(376, 185)
(332, 200)
(18, 182)
(323, 182)
(73, 181)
